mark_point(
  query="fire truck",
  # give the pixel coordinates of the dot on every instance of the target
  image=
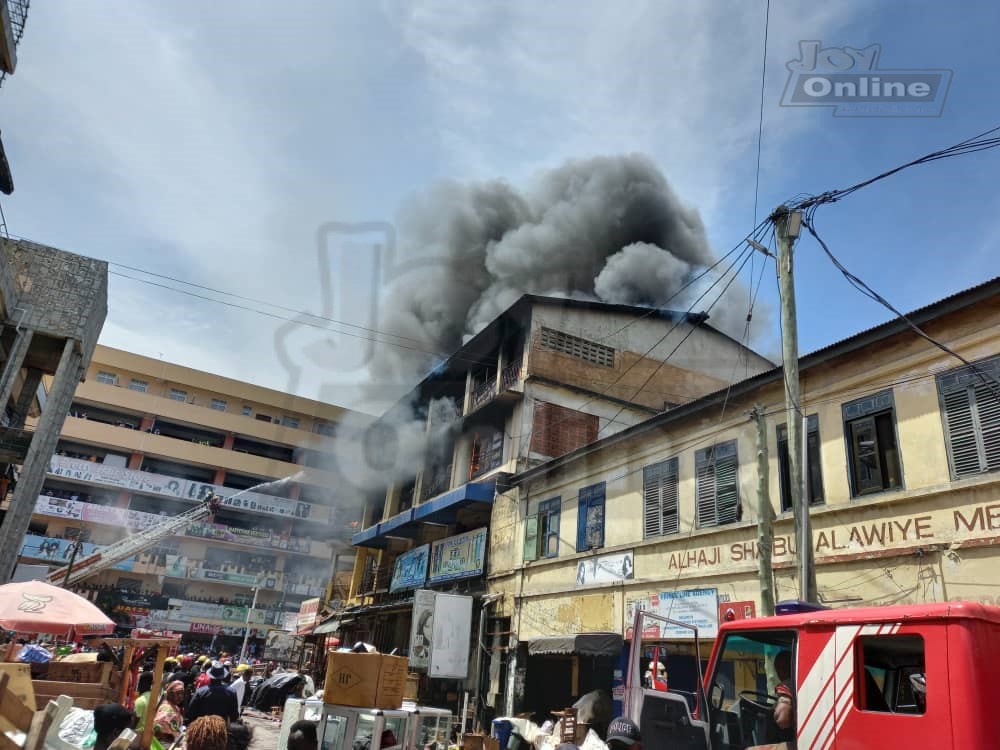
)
(879, 677)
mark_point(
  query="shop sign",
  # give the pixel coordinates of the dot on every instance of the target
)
(605, 569)
(410, 569)
(697, 607)
(158, 484)
(308, 614)
(458, 556)
(58, 507)
(422, 630)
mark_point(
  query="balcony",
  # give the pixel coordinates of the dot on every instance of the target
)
(506, 386)
(375, 578)
(14, 444)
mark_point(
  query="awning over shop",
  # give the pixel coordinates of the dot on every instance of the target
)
(580, 644)
(325, 628)
(442, 509)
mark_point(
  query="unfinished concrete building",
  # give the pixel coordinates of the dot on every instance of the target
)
(52, 307)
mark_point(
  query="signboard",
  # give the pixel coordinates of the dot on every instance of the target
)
(410, 569)
(308, 614)
(158, 484)
(60, 550)
(605, 569)
(422, 630)
(282, 646)
(742, 610)
(697, 607)
(59, 507)
(459, 556)
(452, 625)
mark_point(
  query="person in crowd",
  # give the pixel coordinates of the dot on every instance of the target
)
(302, 736)
(239, 684)
(203, 679)
(186, 675)
(169, 714)
(207, 733)
(170, 666)
(144, 686)
(308, 686)
(240, 736)
(623, 734)
(216, 698)
(110, 720)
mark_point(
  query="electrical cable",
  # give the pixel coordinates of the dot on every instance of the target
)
(864, 288)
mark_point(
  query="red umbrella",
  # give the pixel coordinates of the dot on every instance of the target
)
(38, 607)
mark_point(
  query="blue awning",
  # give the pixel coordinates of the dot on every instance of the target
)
(396, 526)
(368, 538)
(442, 509)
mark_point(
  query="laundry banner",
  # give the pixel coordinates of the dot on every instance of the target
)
(460, 556)
(158, 484)
(410, 569)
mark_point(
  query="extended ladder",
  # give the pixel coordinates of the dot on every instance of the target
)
(132, 545)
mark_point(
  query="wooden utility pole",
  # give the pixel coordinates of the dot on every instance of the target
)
(787, 225)
(765, 517)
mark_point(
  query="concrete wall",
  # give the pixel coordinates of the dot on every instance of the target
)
(930, 540)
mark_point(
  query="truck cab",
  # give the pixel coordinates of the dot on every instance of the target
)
(880, 677)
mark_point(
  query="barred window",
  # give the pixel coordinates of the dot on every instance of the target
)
(558, 341)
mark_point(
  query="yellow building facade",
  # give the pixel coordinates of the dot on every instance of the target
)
(904, 450)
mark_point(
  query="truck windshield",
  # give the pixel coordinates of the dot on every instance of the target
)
(744, 687)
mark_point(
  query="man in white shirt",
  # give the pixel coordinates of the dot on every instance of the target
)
(239, 684)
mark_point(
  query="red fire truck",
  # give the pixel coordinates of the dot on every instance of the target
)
(901, 677)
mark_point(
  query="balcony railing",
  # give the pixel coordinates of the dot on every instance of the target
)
(484, 393)
(375, 578)
(510, 376)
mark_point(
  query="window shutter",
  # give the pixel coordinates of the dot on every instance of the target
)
(596, 518)
(668, 493)
(988, 411)
(867, 467)
(652, 508)
(961, 433)
(583, 511)
(531, 538)
(727, 490)
(659, 497)
(705, 495)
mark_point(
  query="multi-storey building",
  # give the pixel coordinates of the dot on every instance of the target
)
(903, 455)
(146, 439)
(544, 378)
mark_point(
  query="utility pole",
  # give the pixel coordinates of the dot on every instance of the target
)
(787, 225)
(765, 517)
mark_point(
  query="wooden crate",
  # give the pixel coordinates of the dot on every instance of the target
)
(97, 672)
(84, 694)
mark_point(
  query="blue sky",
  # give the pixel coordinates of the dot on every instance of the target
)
(209, 143)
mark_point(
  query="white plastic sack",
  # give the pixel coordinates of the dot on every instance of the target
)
(77, 729)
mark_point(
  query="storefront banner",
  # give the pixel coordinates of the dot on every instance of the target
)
(459, 556)
(410, 569)
(60, 550)
(157, 484)
(58, 507)
(605, 569)
(422, 630)
(308, 614)
(287, 621)
(452, 625)
(282, 646)
(183, 610)
(205, 628)
(697, 607)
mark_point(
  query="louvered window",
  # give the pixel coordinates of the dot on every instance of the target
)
(659, 499)
(717, 491)
(971, 411)
(591, 351)
(815, 478)
(590, 518)
(541, 530)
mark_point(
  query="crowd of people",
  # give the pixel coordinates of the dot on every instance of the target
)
(200, 702)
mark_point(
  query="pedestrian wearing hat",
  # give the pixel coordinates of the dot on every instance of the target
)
(215, 699)
(239, 683)
(623, 734)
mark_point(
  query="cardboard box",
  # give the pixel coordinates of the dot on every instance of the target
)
(365, 680)
(392, 681)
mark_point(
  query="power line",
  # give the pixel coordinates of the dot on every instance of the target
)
(865, 289)
(760, 122)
